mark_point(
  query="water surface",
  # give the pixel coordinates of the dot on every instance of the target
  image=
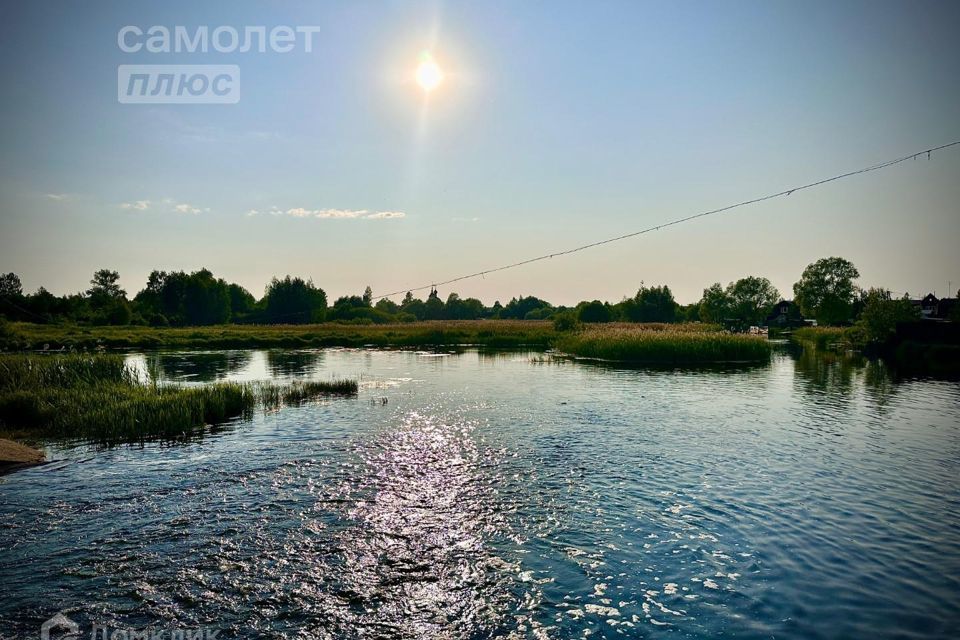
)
(477, 495)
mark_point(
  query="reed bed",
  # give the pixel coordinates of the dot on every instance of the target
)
(822, 338)
(273, 396)
(95, 397)
(488, 333)
(639, 344)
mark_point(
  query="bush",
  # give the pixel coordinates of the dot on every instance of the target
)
(565, 321)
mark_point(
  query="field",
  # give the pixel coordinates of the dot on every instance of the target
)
(489, 333)
(664, 344)
(656, 343)
(97, 398)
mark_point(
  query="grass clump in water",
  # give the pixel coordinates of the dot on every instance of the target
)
(822, 338)
(96, 397)
(273, 396)
(695, 344)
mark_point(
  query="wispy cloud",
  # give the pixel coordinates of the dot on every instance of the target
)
(183, 207)
(136, 205)
(465, 219)
(166, 204)
(59, 197)
(337, 214)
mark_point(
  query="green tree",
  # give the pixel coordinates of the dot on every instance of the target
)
(10, 285)
(387, 305)
(105, 289)
(751, 299)
(715, 305)
(826, 290)
(881, 313)
(650, 304)
(241, 301)
(294, 301)
(518, 308)
(206, 299)
(594, 311)
(368, 296)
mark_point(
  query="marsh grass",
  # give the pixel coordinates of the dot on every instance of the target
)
(97, 398)
(488, 333)
(671, 344)
(273, 396)
(822, 338)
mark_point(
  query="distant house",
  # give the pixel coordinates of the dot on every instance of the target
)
(933, 308)
(785, 314)
(928, 306)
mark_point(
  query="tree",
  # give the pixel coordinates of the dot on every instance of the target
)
(595, 311)
(206, 299)
(10, 285)
(104, 286)
(368, 296)
(650, 304)
(751, 299)
(294, 301)
(386, 305)
(881, 313)
(826, 290)
(715, 305)
(241, 300)
(518, 308)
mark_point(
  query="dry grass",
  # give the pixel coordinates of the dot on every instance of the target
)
(665, 344)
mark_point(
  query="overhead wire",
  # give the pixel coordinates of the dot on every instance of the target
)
(663, 225)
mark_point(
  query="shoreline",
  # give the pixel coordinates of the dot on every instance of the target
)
(15, 456)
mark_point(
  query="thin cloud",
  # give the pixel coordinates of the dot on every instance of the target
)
(334, 214)
(189, 208)
(59, 197)
(166, 204)
(386, 215)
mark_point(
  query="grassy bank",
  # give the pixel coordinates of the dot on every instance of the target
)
(822, 338)
(96, 397)
(677, 344)
(653, 342)
(489, 333)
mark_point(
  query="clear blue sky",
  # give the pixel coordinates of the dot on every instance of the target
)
(557, 123)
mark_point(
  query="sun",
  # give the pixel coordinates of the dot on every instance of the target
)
(429, 76)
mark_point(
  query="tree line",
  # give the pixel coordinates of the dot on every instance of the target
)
(826, 292)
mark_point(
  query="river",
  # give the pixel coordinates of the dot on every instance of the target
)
(473, 495)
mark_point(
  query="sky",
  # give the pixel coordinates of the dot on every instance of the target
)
(556, 124)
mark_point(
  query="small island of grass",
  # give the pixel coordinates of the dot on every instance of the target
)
(96, 397)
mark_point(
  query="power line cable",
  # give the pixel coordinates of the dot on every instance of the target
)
(786, 192)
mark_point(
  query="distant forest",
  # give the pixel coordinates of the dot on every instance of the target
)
(826, 291)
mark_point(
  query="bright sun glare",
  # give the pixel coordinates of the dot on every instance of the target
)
(429, 75)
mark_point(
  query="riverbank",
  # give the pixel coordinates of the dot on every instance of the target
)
(654, 343)
(20, 336)
(14, 455)
(916, 348)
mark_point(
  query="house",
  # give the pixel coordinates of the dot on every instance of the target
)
(928, 306)
(933, 308)
(785, 314)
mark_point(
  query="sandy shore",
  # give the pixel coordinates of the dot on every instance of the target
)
(14, 455)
